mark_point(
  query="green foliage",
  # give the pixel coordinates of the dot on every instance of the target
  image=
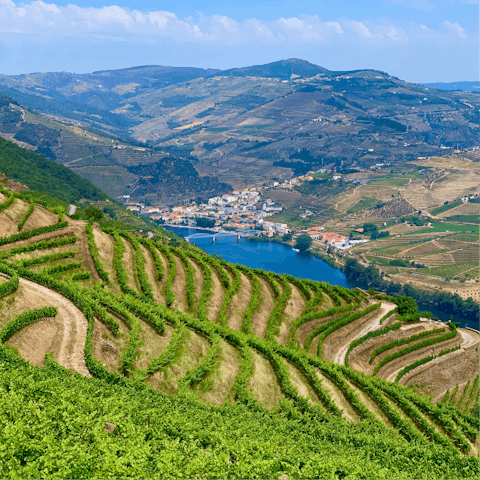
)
(364, 203)
(471, 394)
(61, 267)
(231, 291)
(412, 348)
(316, 299)
(444, 208)
(94, 252)
(42, 245)
(303, 242)
(10, 286)
(317, 315)
(414, 220)
(404, 341)
(342, 321)
(7, 202)
(404, 425)
(464, 393)
(169, 295)
(140, 265)
(451, 403)
(25, 216)
(158, 271)
(201, 371)
(24, 319)
(203, 222)
(333, 293)
(82, 275)
(388, 314)
(166, 357)
(92, 213)
(40, 173)
(424, 360)
(217, 262)
(184, 419)
(275, 319)
(369, 228)
(375, 333)
(32, 233)
(300, 284)
(406, 305)
(287, 237)
(270, 278)
(399, 262)
(254, 299)
(175, 444)
(189, 277)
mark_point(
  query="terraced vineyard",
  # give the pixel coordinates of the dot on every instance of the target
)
(132, 310)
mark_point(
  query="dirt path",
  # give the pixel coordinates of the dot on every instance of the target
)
(469, 337)
(374, 324)
(74, 323)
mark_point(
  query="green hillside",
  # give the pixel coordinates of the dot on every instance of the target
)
(129, 356)
(153, 435)
(39, 173)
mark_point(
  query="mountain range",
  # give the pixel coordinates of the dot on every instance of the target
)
(247, 125)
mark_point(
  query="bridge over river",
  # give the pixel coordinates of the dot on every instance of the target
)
(222, 233)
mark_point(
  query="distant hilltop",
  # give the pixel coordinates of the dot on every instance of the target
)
(464, 86)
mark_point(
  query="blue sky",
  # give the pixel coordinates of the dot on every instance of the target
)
(416, 40)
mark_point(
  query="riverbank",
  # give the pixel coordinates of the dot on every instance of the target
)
(280, 257)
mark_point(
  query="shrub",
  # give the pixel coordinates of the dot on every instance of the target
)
(303, 242)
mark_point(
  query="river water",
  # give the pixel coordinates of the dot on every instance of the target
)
(272, 256)
(281, 258)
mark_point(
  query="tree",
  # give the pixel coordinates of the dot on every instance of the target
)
(303, 242)
(93, 212)
(287, 237)
(369, 228)
(406, 305)
(205, 222)
(109, 210)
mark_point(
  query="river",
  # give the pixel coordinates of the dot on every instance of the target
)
(272, 256)
(281, 258)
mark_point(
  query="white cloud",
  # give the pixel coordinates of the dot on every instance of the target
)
(40, 22)
(456, 28)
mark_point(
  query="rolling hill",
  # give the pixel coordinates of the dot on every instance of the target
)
(215, 369)
(114, 166)
(236, 124)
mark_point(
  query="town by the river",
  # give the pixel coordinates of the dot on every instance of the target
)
(281, 258)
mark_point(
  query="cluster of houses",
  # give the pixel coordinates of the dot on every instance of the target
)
(239, 210)
(331, 239)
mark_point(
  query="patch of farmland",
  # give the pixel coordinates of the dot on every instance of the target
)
(422, 249)
(461, 209)
(447, 271)
(365, 202)
(445, 208)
